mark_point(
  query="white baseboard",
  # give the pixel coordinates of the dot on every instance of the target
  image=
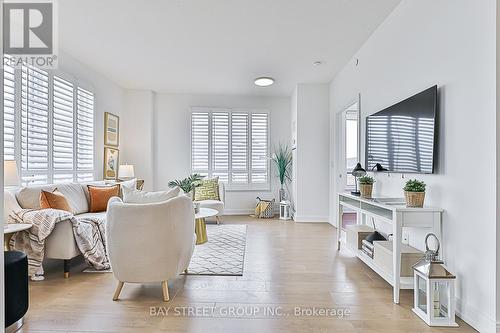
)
(244, 211)
(311, 219)
(476, 319)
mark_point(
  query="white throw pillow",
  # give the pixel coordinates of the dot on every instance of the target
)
(135, 196)
(129, 184)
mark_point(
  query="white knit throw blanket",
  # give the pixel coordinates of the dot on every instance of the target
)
(89, 235)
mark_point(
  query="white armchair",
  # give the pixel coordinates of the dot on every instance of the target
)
(151, 242)
(218, 205)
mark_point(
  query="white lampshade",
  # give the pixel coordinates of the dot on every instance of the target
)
(126, 171)
(10, 174)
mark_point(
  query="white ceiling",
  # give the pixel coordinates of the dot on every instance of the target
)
(217, 46)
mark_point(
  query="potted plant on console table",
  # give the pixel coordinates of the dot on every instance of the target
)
(366, 186)
(414, 193)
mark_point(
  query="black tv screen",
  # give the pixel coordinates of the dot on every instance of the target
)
(402, 138)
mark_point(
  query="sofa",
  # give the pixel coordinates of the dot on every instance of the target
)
(149, 242)
(218, 205)
(61, 243)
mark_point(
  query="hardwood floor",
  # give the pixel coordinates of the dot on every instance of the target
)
(287, 266)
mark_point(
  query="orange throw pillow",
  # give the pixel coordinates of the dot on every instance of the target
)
(99, 196)
(54, 200)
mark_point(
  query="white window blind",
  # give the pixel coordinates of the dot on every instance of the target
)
(34, 125)
(239, 148)
(259, 147)
(220, 145)
(48, 126)
(231, 144)
(9, 115)
(199, 143)
(62, 127)
(85, 134)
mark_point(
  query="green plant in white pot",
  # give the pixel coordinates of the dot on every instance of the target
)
(414, 193)
(282, 160)
(366, 186)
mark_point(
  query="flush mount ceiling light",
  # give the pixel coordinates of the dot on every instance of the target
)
(263, 81)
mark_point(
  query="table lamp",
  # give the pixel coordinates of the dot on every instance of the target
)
(10, 174)
(126, 171)
(357, 172)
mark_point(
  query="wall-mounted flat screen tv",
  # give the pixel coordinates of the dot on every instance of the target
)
(403, 137)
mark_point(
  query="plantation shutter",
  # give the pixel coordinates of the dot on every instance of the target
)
(200, 142)
(85, 134)
(9, 115)
(239, 148)
(63, 134)
(34, 125)
(259, 149)
(220, 145)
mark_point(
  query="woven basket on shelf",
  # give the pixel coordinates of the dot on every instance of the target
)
(415, 199)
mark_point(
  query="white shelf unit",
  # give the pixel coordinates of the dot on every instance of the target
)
(394, 212)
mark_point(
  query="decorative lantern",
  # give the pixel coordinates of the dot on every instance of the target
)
(285, 211)
(434, 289)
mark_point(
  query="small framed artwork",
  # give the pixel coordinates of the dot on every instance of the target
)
(111, 160)
(111, 129)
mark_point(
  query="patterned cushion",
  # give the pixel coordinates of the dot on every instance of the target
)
(208, 190)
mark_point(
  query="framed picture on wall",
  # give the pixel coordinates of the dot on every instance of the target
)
(111, 129)
(111, 160)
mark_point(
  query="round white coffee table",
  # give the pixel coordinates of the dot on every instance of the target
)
(10, 229)
(200, 228)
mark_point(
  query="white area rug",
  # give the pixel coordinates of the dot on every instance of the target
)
(223, 254)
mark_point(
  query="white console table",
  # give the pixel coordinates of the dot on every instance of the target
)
(394, 212)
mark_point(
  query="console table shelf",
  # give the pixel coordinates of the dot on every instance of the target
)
(394, 212)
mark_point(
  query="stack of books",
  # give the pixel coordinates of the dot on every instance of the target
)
(367, 248)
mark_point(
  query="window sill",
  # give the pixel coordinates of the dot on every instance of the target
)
(267, 189)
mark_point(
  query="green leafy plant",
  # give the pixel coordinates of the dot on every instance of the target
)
(187, 184)
(282, 159)
(414, 185)
(366, 180)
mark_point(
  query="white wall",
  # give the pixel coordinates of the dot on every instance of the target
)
(311, 159)
(109, 97)
(170, 122)
(498, 167)
(138, 135)
(293, 185)
(429, 42)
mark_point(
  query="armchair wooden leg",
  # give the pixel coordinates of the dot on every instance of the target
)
(164, 286)
(118, 291)
(217, 218)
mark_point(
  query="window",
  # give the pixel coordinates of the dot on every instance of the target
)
(232, 145)
(48, 126)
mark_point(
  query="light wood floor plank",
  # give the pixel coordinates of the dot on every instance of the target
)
(288, 266)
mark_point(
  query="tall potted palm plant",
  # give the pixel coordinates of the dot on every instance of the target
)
(282, 160)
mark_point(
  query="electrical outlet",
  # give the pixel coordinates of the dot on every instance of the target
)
(406, 238)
